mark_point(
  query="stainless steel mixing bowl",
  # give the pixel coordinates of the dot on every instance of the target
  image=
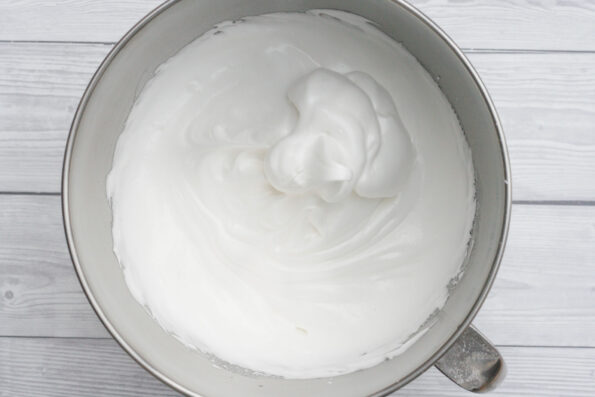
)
(99, 120)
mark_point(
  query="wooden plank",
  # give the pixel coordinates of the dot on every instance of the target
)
(515, 24)
(486, 24)
(546, 102)
(545, 289)
(53, 367)
(40, 87)
(81, 20)
(532, 371)
(544, 293)
(39, 292)
(100, 368)
(547, 106)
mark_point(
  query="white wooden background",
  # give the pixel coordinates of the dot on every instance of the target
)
(537, 58)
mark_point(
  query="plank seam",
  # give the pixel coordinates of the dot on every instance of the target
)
(73, 42)
(569, 203)
(99, 338)
(17, 193)
(468, 50)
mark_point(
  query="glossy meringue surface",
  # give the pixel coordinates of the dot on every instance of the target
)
(292, 193)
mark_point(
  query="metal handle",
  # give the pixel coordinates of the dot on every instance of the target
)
(473, 363)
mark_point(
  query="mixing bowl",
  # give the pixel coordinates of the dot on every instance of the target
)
(456, 348)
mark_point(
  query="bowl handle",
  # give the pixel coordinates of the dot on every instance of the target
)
(473, 363)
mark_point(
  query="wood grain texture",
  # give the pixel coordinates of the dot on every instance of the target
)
(546, 103)
(64, 20)
(94, 368)
(72, 368)
(547, 106)
(545, 290)
(515, 24)
(508, 24)
(40, 87)
(543, 295)
(39, 292)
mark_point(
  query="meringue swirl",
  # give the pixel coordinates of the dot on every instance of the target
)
(292, 193)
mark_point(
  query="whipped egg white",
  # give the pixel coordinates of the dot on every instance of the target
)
(292, 193)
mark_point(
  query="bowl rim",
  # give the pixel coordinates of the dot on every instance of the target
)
(113, 53)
